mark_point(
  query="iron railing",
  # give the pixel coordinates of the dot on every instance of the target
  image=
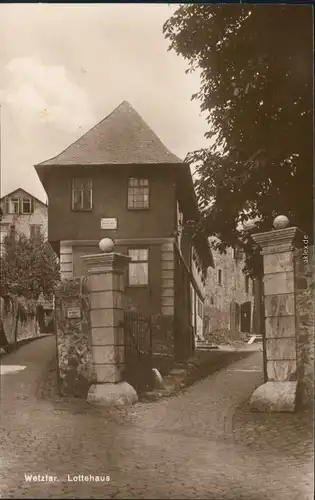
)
(138, 350)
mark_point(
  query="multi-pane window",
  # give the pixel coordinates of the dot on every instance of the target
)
(26, 206)
(138, 272)
(35, 231)
(81, 193)
(138, 193)
(12, 205)
(19, 206)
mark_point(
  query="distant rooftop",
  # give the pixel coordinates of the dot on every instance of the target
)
(123, 137)
(12, 193)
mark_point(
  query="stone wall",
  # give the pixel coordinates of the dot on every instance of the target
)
(28, 328)
(221, 297)
(305, 324)
(75, 362)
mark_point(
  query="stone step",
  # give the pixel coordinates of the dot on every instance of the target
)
(181, 364)
(206, 347)
(172, 382)
(169, 379)
(255, 339)
(178, 371)
(206, 342)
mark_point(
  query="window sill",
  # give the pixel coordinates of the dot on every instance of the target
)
(145, 209)
(137, 286)
(81, 210)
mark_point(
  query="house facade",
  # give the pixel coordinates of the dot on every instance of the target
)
(23, 213)
(229, 302)
(119, 181)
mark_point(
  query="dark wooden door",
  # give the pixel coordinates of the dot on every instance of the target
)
(245, 317)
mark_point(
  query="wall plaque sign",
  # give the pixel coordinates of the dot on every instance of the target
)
(73, 312)
(110, 223)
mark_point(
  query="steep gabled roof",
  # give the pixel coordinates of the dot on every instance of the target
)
(123, 137)
(26, 192)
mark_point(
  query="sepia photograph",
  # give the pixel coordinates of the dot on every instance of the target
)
(157, 251)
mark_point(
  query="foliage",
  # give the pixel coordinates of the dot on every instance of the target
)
(28, 268)
(74, 289)
(75, 361)
(256, 66)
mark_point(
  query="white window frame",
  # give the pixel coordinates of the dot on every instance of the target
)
(81, 190)
(12, 202)
(134, 262)
(138, 187)
(30, 201)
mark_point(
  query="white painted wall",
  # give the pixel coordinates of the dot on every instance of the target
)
(22, 222)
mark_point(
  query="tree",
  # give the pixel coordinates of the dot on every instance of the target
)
(256, 66)
(28, 268)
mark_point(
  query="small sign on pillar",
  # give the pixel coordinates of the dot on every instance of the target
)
(73, 313)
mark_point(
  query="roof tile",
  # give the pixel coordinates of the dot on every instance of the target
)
(123, 137)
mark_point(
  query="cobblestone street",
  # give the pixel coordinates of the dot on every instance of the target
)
(202, 443)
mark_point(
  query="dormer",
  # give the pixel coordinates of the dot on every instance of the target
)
(18, 205)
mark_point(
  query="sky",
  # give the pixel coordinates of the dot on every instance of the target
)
(64, 67)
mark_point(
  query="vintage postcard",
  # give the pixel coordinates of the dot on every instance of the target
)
(156, 251)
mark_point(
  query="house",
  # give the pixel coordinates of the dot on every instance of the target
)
(119, 181)
(23, 213)
(230, 294)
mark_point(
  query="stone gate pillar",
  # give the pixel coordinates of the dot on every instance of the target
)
(107, 288)
(279, 393)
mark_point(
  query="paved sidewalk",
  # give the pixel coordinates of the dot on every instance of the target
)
(181, 447)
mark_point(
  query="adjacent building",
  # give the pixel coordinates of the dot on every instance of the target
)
(230, 295)
(120, 181)
(23, 213)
